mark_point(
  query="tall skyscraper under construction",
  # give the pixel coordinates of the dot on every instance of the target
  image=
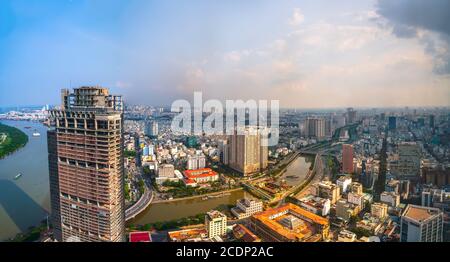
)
(85, 152)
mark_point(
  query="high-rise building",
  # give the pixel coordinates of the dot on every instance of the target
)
(247, 153)
(421, 224)
(216, 224)
(392, 123)
(347, 158)
(314, 127)
(85, 152)
(151, 128)
(350, 116)
(224, 151)
(196, 162)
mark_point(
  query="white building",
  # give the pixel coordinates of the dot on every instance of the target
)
(196, 162)
(246, 207)
(216, 224)
(421, 224)
(344, 183)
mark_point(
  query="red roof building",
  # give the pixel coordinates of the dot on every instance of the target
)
(140, 237)
(203, 175)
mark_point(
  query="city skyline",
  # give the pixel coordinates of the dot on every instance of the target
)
(307, 55)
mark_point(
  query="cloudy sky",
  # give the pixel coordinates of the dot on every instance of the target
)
(307, 54)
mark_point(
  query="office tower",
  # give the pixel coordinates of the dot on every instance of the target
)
(216, 224)
(350, 116)
(408, 165)
(151, 129)
(247, 153)
(392, 123)
(347, 158)
(314, 127)
(421, 224)
(85, 156)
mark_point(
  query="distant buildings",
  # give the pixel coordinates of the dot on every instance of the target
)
(151, 129)
(346, 236)
(247, 153)
(216, 224)
(421, 224)
(224, 151)
(246, 207)
(85, 155)
(289, 223)
(347, 159)
(350, 116)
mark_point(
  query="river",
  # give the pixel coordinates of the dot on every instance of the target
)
(24, 202)
(295, 173)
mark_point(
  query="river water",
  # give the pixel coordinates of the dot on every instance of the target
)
(25, 202)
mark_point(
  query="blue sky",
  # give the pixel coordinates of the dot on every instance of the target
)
(304, 53)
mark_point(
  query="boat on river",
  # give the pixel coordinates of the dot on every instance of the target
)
(17, 176)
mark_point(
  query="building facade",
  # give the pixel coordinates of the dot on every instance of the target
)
(86, 170)
(421, 224)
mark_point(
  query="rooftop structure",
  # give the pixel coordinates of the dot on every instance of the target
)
(290, 223)
(140, 237)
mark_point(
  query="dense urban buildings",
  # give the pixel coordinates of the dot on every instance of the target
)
(216, 224)
(314, 127)
(85, 155)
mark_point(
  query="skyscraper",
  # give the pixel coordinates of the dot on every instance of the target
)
(85, 153)
(351, 116)
(247, 153)
(347, 158)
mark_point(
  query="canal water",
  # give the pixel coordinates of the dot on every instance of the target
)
(295, 174)
(24, 202)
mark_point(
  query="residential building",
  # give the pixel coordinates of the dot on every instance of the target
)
(344, 183)
(248, 154)
(379, 210)
(345, 210)
(326, 189)
(317, 205)
(390, 198)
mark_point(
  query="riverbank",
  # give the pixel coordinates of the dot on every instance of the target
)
(198, 196)
(11, 139)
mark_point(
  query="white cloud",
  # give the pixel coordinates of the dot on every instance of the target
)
(297, 18)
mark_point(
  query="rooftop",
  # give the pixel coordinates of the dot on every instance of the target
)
(140, 236)
(420, 213)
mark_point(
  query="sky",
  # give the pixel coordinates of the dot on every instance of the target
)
(306, 54)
